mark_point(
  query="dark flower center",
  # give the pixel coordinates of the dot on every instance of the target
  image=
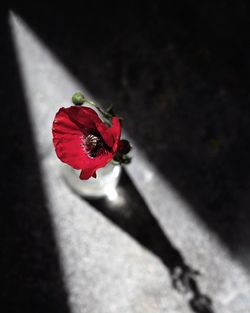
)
(94, 145)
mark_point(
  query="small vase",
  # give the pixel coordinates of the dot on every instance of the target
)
(103, 185)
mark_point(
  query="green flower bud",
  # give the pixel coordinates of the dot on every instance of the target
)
(122, 159)
(126, 159)
(78, 98)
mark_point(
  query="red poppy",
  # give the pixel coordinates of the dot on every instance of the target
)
(83, 141)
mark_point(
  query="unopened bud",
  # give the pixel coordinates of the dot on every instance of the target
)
(78, 98)
(124, 146)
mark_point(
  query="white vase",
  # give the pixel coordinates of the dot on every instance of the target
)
(103, 185)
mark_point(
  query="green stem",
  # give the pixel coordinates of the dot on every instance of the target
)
(106, 115)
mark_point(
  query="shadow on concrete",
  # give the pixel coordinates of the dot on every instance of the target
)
(31, 277)
(181, 73)
(136, 219)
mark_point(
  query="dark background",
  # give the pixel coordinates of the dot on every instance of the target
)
(178, 74)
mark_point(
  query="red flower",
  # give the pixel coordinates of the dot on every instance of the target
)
(83, 141)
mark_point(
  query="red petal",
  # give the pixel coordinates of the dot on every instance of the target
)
(68, 136)
(96, 163)
(110, 135)
(86, 174)
(84, 117)
(116, 132)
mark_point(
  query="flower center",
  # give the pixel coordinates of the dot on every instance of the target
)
(94, 145)
(91, 141)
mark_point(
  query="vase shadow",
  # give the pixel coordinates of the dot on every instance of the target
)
(132, 215)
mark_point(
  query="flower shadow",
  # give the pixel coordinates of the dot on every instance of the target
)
(134, 217)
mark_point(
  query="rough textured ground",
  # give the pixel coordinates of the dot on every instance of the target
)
(180, 78)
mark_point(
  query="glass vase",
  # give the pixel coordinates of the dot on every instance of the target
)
(103, 185)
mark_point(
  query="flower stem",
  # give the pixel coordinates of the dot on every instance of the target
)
(107, 116)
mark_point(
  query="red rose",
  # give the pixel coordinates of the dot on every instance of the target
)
(83, 141)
